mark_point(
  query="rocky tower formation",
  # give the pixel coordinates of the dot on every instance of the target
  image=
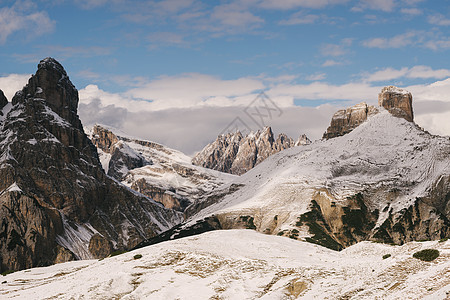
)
(57, 203)
(397, 101)
(345, 120)
(235, 154)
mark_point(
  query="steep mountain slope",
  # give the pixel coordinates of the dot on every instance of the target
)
(57, 203)
(166, 175)
(387, 180)
(249, 265)
(236, 154)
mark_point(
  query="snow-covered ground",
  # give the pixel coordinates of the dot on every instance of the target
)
(242, 264)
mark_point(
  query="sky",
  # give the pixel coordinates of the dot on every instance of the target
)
(181, 72)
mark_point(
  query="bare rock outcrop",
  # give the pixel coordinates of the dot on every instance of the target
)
(3, 101)
(236, 154)
(345, 120)
(397, 101)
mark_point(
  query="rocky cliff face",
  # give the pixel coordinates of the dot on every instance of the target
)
(345, 120)
(397, 101)
(3, 101)
(235, 154)
(55, 196)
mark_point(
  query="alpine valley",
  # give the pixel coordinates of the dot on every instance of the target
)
(249, 216)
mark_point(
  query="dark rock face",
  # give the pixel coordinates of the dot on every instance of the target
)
(397, 101)
(55, 195)
(345, 120)
(3, 101)
(235, 154)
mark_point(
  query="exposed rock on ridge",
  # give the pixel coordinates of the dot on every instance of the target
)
(236, 154)
(345, 120)
(55, 196)
(397, 101)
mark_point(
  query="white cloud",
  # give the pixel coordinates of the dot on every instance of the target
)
(12, 83)
(439, 19)
(16, 19)
(411, 11)
(383, 5)
(332, 63)
(336, 49)
(291, 4)
(422, 72)
(189, 90)
(300, 18)
(316, 77)
(397, 41)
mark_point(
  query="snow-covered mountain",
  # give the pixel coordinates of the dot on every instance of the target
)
(386, 180)
(164, 174)
(243, 264)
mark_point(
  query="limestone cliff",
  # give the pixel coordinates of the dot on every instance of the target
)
(397, 101)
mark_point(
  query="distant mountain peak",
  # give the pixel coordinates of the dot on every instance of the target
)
(236, 154)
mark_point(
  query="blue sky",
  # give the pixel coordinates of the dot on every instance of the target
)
(184, 59)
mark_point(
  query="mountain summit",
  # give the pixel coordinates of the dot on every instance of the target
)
(57, 203)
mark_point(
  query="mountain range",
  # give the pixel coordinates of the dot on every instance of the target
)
(70, 193)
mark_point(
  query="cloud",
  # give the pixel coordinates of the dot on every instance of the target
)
(160, 109)
(383, 5)
(291, 4)
(397, 41)
(316, 77)
(422, 72)
(12, 83)
(332, 63)
(411, 11)
(300, 18)
(189, 90)
(336, 49)
(439, 19)
(18, 19)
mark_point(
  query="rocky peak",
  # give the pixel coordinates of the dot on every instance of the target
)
(52, 84)
(397, 101)
(302, 140)
(345, 120)
(54, 193)
(235, 154)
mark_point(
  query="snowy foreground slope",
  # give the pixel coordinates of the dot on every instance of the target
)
(243, 264)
